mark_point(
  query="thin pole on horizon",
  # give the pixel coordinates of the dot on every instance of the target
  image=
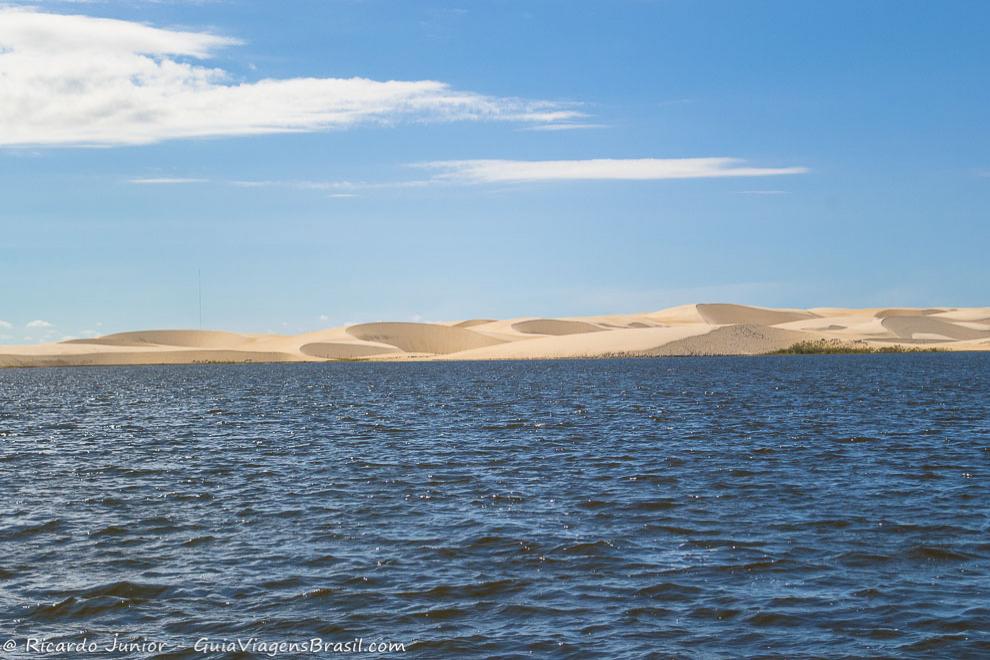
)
(199, 282)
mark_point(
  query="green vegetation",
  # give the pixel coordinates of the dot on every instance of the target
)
(839, 347)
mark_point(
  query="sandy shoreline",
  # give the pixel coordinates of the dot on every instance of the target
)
(697, 329)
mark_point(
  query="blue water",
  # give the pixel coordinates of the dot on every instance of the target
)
(702, 507)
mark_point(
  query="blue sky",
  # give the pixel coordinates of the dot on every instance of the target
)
(537, 158)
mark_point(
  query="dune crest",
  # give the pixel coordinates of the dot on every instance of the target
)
(723, 314)
(183, 338)
(470, 323)
(702, 329)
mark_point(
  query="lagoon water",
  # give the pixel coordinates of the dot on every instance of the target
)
(707, 507)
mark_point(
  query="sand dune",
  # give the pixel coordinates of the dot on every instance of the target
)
(680, 315)
(910, 327)
(740, 314)
(342, 351)
(977, 314)
(421, 337)
(555, 327)
(890, 313)
(704, 329)
(470, 323)
(625, 341)
(733, 340)
(187, 338)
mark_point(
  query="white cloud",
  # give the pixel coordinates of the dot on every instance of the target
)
(80, 80)
(459, 172)
(6, 324)
(631, 169)
(38, 323)
(165, 181)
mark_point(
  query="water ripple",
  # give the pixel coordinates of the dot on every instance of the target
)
(792, 506)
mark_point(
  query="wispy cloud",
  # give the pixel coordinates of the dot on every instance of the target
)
(467, 172)
(6, 324)
(165, 181)
(600, 169)
(80, 80)
(38, 323)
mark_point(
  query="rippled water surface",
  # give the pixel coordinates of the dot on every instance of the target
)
(707, 507)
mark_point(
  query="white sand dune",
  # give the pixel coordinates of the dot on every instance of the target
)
(704, 329)
(680, 315)
(624, 341)
(909, 327)
(470, 323)
(556, 327)
(975, 314)
(740, 314)
(344, 351)
(421, 337)
(890, 313)
(187, 338)
(734, 340)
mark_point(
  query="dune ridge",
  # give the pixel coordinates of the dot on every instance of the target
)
(725, 314)
(698, 329)
(186, 338)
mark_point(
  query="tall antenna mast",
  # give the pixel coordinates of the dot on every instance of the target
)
(199, 281)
